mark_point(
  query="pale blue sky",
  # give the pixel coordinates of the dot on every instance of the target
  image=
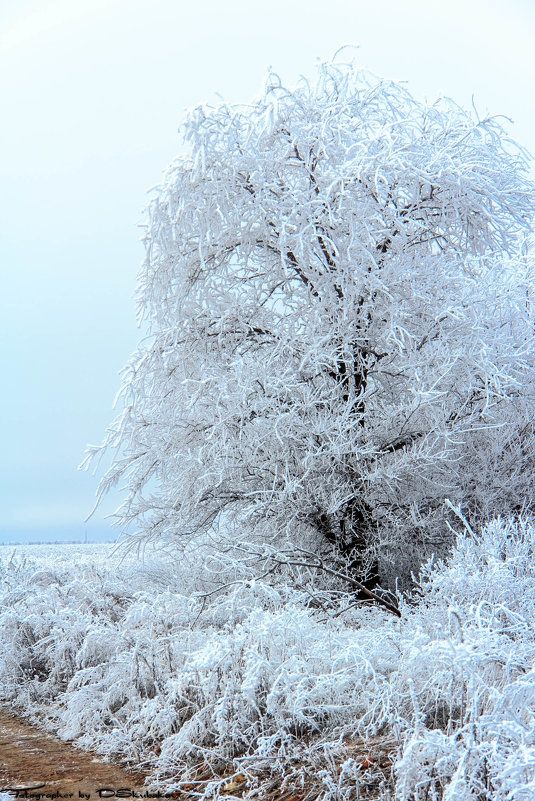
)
(91, 95)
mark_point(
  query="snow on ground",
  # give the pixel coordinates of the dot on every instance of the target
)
(146, 660)
(57, 553)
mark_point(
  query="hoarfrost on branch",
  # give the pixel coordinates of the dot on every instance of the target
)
(340, 334)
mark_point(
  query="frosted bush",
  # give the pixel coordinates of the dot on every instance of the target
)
(254, 678)
(470, 722)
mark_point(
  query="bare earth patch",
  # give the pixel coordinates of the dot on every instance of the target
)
(33, 759)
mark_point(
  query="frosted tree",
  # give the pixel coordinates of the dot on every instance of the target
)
(337, 294)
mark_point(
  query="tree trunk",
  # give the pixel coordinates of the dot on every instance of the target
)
(349, 535)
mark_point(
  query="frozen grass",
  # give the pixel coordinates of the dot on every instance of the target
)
(136, 660)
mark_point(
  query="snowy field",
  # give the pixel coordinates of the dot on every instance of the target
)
(148, 661)
(56, 554)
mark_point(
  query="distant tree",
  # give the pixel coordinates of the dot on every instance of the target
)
(340, 326)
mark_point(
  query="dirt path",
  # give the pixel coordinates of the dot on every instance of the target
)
(37, 766)
(49, 768)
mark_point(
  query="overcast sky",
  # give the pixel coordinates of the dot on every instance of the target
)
(92, 94)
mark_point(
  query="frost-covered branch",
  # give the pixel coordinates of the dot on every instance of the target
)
(337, 291)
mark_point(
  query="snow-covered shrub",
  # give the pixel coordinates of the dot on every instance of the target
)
(168, 676)
(465, 687)
(255, 679)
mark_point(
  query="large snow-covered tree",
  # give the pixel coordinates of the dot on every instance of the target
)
(338, 299)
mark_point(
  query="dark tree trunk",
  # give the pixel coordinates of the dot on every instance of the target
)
(349, 535)
(355, 529)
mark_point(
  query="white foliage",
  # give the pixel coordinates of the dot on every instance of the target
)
(339, 323)
(472, 681)
(168, 677)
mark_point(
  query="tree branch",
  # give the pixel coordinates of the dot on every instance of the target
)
(319, 565)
